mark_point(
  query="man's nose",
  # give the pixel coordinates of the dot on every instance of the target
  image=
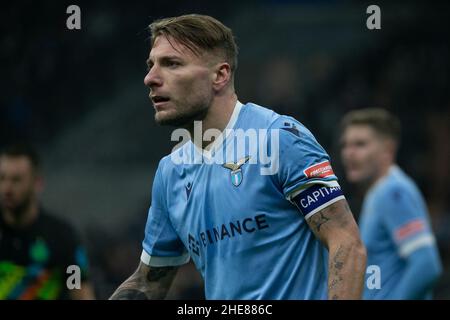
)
(153, 78)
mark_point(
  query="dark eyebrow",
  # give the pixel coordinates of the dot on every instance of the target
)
(164, 58)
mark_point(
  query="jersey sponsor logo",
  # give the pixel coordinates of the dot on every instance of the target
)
(411, 228)
(193, 244)
(236, 172)
(320, 170)
(316, 196)
(226, 231)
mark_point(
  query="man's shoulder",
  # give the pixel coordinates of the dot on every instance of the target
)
(50, 221)
(397, 186)
(164, 162)
(173, 163)
(256, 116)
(399, 179)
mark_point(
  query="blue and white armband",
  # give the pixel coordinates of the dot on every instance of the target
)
(316, 197)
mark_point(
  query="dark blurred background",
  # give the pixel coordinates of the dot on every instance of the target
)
(78, 95)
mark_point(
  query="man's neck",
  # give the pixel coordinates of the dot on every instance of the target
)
(218, 116)
(22, 219)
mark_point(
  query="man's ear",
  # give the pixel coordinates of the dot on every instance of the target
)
(222, 76)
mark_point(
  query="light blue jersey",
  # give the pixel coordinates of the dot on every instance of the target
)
(395, 229)
(244, 223)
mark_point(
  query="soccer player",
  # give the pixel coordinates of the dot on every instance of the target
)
(36, 248)
(254, 229)
(394, 221)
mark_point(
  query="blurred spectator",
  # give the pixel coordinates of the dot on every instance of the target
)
(394, 222)
(36, 248)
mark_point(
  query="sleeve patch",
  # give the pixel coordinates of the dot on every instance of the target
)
(409, 229)
(317, 197)
(320, 170)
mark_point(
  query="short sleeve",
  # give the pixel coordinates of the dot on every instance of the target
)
(305, 174)
(161, 245)
(406, 220)
(302, 159)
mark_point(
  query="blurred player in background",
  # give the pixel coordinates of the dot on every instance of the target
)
(394, 221)
(251, 235)
(35, 247)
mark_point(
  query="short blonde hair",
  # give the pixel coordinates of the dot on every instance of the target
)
(380, 120)
(198, 33)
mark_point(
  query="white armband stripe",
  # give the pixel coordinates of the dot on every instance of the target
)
(154, 261)
(410, 246)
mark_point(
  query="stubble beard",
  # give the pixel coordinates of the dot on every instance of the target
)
(20, 210)
(186, 117)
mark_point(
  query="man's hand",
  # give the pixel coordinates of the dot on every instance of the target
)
(146, 283)
(336, 228)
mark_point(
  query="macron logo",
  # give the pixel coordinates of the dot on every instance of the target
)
(188, 190)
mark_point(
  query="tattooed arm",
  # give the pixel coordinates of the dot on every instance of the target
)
(146, 283)
(336, 228)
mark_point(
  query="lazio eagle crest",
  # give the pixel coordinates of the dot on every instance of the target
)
(236, 172)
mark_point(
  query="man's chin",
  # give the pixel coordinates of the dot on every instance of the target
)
(15, 210)
(360, 180)
(8, 206)
(354, 178)
(178, 120)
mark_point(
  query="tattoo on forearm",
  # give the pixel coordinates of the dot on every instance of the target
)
(326, 214)
(155, 274)
(346, 261)
(336, 266)
(319, 219)
(338, 259)
(146, 283)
